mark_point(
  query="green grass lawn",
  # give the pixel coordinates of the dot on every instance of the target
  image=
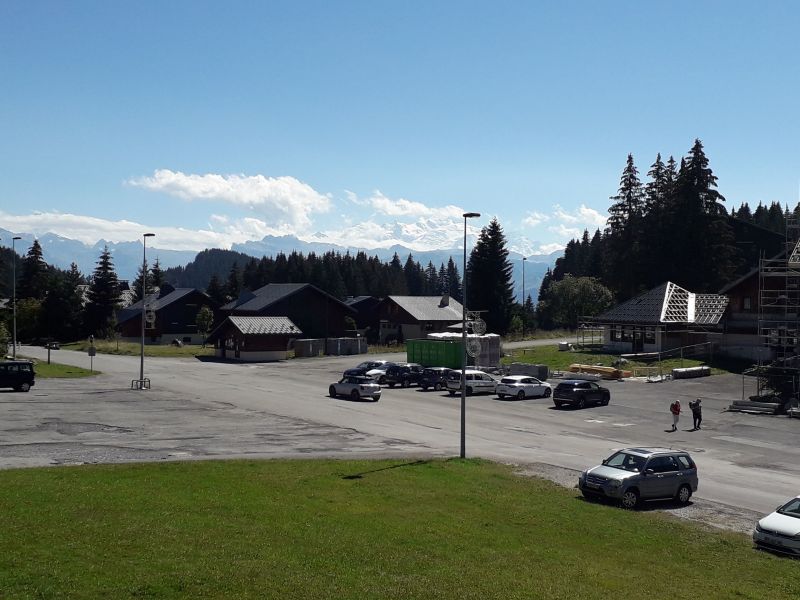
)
(560, 361)
(57, 370)
(353, 529)
(134, 349)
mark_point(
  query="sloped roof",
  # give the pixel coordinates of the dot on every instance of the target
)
(270, 294)
(265, 325)
(429, 308)
(668, 303)
(155, 302)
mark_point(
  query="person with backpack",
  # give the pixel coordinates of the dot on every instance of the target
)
(697, 413)
(675, 409)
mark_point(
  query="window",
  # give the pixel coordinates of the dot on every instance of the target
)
(615, 334)
(746, 303)
(650, 335)
(662, 464)
(685, 462)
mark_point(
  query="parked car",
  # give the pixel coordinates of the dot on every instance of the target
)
(635, 474)
(477, 382)
(379, 373)
(18, 375)
(522, 386)
(579, 392)
(404, 374)
(434, 377)
(780, 531)
(355, 387)
(367, 365)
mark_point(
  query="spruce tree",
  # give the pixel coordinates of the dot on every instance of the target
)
(490, 288)
(33, 279)
(103, 297)
(216, 291)
(234, 283)
(453, 284)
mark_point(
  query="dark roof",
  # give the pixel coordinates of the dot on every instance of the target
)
(259, 326)
(164, 297)
(429, 308)
(270, 294)
(668, 303)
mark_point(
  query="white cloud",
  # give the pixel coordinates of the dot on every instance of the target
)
(221, 232)
(564, 231)
(584, 216)
(287, 200)
(401, 207)
(535, 218)
(550, 248)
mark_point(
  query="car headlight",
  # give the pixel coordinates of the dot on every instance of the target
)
(758, 528)
(615, 483)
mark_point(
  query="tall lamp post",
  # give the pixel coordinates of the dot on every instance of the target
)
(14, 296)
(144, 301)
(524, 297)
(463, 453)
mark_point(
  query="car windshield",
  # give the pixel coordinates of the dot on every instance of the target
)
(791, 508)
(625, 461)
(510, 381)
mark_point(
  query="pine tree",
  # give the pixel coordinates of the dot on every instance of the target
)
(103, 297)
(234, 283)
(453, 283)
(33, 280)
(136, 286)
(62, 310)
(490, 287)
(215, 291)
(157, 277)
(657, 189)
(625, 231)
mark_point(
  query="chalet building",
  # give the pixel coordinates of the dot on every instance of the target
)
(413, 317)
(170, 314)
(661, 319)
(316, 313)
(255, 339)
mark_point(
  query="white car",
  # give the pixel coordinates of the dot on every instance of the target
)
(379, 373)
(355, 387)
(780, 531)
(523, 386)
(478, 382)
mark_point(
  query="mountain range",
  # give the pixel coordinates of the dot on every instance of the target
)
(61, 252)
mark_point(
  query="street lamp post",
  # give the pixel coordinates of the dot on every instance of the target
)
(14, 296)
(463, 453)
(524, 297)
(144, 302)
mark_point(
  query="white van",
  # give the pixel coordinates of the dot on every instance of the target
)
(478, 382)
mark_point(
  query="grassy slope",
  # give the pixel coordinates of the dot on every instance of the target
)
(336, 529)
(134, 349)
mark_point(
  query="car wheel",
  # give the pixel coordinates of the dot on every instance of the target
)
(684, 493)
(391, 385)
(547, 392)
(424, 388)
(437, 387)
(452, 393)
(501, 396)
(630, 499)
(469, 391)
(381, 380)
(521, 395)
(589, 497)
(354, 395)
(406, 383)
(605, 401)
(332, 392)
(582, 403)
(558, 404)
(25, 387)
(376, 398)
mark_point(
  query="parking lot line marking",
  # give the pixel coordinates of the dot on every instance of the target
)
(594, 421)
(622, 424)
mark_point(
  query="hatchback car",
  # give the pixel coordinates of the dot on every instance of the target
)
(635, 474)
(580, 392)
(780, 531)
(403, 374)
(522, 386)
(355, 387)
(477, 382)
(434, 377)
(18, 375)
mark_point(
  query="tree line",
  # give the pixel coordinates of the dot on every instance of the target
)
(674, 227)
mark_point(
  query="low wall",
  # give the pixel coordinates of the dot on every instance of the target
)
(254, 356)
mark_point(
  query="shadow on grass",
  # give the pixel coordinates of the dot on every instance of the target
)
(643, 506)
(409, 464)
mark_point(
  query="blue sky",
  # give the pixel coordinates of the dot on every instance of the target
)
(379, 122)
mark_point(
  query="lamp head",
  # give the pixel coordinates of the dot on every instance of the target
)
(149, 235)
(470, 215)
(16, 237)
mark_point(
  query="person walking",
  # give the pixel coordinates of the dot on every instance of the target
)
(675, 409)
(697, 413)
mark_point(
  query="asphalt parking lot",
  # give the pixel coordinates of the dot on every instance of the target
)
(208, 409)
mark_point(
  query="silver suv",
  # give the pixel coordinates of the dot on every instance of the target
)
(635, 474)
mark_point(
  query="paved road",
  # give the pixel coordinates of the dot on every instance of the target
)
(209, 409)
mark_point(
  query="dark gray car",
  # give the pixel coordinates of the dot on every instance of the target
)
(635, 474)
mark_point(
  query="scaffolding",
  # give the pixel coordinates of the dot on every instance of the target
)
(778, 377)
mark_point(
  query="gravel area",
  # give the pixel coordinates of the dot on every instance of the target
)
(713, 514)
